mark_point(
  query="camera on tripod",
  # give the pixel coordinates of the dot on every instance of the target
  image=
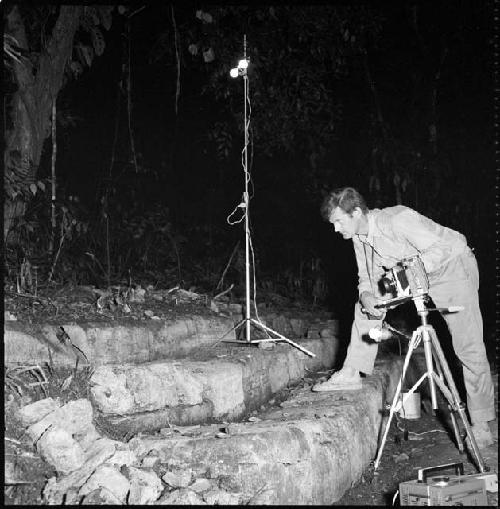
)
(407, 279)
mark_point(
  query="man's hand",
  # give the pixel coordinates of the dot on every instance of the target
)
(368, 301)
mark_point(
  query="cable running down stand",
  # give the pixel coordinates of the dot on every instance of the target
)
(241, 70)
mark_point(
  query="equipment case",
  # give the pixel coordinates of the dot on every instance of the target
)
(438, 490)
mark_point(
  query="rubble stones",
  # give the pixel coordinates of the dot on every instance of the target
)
(123, 457)
(30, 414)
(145, 486)
(88, 438)
(114, 485)
(178, 479)
(61, 450)
(75, 417)
(201, 485)
(97, 454)
(184, 496)
(220, 497)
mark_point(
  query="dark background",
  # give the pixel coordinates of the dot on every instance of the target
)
(167, 213)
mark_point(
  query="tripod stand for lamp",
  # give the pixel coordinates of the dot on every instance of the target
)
(443, 378)
(241, 70)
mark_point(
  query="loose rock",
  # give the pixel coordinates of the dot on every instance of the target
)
(183, 496)
(178, 479)
(36, 411)
(115, 486)
(145, 486)
(61, 450)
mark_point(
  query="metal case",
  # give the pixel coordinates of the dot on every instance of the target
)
(438, 490)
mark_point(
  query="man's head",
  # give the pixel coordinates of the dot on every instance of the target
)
(346, 209)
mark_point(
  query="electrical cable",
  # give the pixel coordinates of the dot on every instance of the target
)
(394, 497)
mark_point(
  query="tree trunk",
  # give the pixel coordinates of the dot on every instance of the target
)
(31, 106)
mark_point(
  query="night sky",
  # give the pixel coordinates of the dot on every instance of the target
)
(182, 174)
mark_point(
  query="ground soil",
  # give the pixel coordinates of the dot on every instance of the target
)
(429, 442)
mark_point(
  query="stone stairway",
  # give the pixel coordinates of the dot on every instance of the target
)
(175, 418)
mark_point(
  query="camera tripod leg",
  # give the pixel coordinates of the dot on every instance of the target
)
(452, 408)
(451, 394)
(429, 364)
(451, 405)
(395, 401)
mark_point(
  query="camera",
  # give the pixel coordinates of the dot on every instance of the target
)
(406, 279)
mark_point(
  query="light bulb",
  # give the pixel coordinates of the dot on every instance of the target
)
(233, 72)
(243, 64)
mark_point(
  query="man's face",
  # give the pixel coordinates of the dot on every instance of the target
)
(345, 224)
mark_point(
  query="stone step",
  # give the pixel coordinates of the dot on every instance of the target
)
(129, 341)
(307, 451)
(224, 382)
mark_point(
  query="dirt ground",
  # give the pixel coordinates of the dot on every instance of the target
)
(429, 444)
(428, 441)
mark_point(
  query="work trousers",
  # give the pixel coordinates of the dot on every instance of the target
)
(457, 284)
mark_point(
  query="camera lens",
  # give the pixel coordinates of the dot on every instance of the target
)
(387, 285)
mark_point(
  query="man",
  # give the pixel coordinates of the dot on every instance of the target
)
(383, 237)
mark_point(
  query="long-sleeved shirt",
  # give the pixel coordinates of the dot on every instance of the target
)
(395, 233)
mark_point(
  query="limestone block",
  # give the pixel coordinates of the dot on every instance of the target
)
(61, 450)
(55, 489)
(178, 478)
(109, 391)
(96, 497)
(223, 386)
(123, 456)
(34, 412)
(235, 308)
(202, 484)
(88, 437)
(278, 376)
(75, 417)
(220, 497)
(114, 485)
(161, 384)
(150, 461)
(148, 387)
(329, 329)
(184, 496)
(145, 486)
(298, 327)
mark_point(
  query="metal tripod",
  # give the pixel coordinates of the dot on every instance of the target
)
(442, 379)
(241, 70)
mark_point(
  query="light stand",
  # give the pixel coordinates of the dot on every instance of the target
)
(241, 70)
(443, 379)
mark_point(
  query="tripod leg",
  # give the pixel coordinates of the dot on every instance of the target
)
(430, 368)
(451, 407)
(455, 398)
(414, 341)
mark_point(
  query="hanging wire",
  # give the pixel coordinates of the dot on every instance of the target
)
(248, 182)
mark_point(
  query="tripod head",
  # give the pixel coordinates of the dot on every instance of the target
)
(384, 331)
